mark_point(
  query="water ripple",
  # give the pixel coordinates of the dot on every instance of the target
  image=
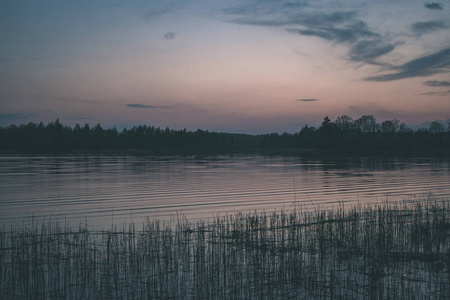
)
(117, 189)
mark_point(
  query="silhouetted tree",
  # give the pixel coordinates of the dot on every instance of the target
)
(367, 123)
(403, 128)
(364, 133)
(436, 127)
(326, 126)
(390, 126)
(308, 137)
(344, 122)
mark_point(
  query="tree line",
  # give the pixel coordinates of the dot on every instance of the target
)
(344, 133)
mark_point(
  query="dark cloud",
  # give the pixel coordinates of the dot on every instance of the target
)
(365, 45)
(12, 116)
(53, 98)
(338, 27)
(368, 50)
(324, 20)
(427, 27)
(169, 36)
(264, 8)
(156, 13)
(371, 109)
(82, 118)
(158, 9)
(294, 5)
(139, 106)
(348, 34)
(307, 100)
(435, 63)
(444, 93)
(434, 5)
(277, 17)
(436, 83)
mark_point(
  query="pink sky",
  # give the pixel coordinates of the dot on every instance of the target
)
(234, 66)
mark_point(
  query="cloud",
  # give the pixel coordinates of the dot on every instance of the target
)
(436, 83)
(347, 27)
(365, 45)
(343, 27)
(434, 5)
(307, 100)
(370, 108)
(139, 106)
(157, 12)
(159, 9)
(368, 50)
(82, 118)
(348, 34)
(430, 64)
(263, 8)
(8, 118)
(293, 5)
(169, 36)
(275, 17)
(427, 27)
(444, 93)
(54, 98)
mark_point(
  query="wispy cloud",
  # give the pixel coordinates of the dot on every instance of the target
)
(11, 117)
(157, 9)
(169, 36)
(307, 100)
(369, 50)
(54, 98)
(350, 33)
(139, 106)
(157, 12)
(426, 65)
(342, 27)
(364, 45)
(370, 108)
(427, 27)
(434, 5)
(444, 93)
(82, 118)
(436, 83)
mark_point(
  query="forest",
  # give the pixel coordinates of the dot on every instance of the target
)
(344, 133)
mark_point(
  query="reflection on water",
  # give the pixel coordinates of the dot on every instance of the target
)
(107, 190)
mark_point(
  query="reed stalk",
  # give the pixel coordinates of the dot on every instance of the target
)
(386, 251)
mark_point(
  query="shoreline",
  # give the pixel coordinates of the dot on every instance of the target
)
(263, 152)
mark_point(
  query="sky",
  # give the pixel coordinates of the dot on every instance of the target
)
(230, 66)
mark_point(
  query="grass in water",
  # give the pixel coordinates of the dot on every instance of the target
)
(386, 251)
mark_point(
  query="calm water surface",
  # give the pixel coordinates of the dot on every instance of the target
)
(106, 190)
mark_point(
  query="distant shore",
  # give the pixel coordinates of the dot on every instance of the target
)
(265, 152)
(330, 137)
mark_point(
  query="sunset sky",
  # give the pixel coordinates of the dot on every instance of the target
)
(234, 66)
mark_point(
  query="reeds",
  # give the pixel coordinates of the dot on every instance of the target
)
(387, 251)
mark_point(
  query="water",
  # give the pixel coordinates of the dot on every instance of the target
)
(107, 190)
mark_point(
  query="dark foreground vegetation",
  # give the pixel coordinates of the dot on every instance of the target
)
(375, 252)
(342, 134)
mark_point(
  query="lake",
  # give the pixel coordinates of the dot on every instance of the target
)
(107, 190)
